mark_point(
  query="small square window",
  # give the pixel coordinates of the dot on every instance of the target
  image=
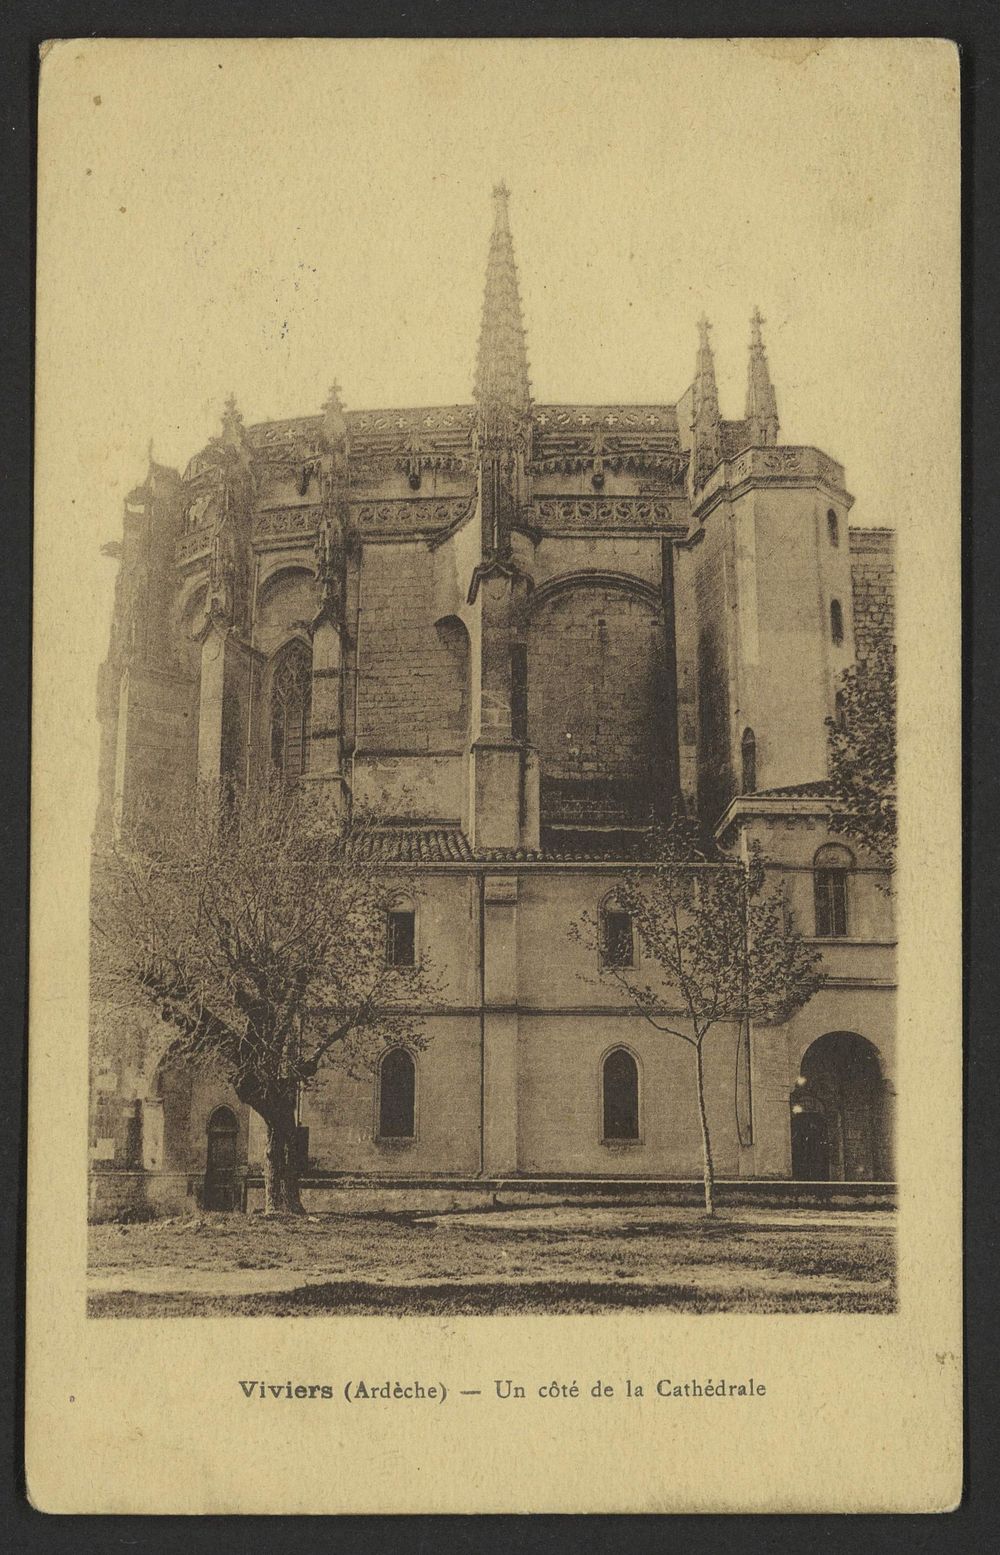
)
(400, 938)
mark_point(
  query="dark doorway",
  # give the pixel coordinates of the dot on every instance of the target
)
(397, 1094)
(221, 1186)
(810, 1147)
(842, 1084)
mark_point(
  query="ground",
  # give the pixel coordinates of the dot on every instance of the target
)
(551, 1259)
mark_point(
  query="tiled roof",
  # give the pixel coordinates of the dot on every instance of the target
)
(414, 845)
(817, 790)
(449, 845)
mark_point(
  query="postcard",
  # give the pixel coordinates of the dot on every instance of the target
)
(495, 1009)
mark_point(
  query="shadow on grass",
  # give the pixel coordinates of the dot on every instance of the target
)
(363, 1298)
(709, 1229)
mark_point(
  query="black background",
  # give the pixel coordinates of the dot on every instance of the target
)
(23, 26)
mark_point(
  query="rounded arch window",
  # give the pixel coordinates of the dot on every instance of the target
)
(620, 1095)
(832, 527)
(291, 711)
(836, 622)
(748, 756)
(831, 870)
(397, 1095)
(453, 691)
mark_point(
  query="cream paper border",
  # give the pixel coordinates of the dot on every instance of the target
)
(862, 1413)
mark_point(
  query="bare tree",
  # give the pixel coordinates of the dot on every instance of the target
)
(258, 936)
(721, 938)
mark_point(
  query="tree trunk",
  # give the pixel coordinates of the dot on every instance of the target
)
(281, 1165)
(706, 1142)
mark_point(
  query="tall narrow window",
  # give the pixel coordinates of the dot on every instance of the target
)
(831, 869)
(396, 1093)
(617, 948)
(400, 936)
(291, 711)
(621, 1095)
(836, 621)
(748, 751)
(519, 691)
(832, 527)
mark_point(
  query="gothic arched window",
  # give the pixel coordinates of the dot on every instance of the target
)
(748, 753)
(620, 1087)
(396, 1095)
(836, 622)
(291, 711)
(831, 868)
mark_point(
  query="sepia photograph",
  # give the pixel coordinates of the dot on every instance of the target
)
(493, 864)
(483, 486)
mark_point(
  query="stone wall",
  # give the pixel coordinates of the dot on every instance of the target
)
(413, 683)
(596, 691)
(341, 1112)
(873, 572)
(712, 591)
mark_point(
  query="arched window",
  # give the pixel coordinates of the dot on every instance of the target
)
(832, 527)
(401, 933)
(831, 867)
(748, 751)
(291, 711)
(396, 1093)
(836, 621)
(620, 1085)
(840, 711)
(617, 942)
(448, 710)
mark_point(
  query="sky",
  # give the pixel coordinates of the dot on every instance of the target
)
(223, 217)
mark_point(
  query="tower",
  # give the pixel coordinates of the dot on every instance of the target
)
(706, 434)
(772, 577)
(762, 406)
(326, 776)
(504, 772)
(501, 389)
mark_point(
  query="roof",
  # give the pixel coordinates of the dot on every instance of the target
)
(414, 845)
(817, 790)
(441, 844)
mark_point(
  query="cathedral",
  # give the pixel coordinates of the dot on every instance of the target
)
(515, 631)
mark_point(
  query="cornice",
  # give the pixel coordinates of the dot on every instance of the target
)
(795, 468)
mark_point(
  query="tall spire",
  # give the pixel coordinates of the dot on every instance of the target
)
(501, 387)
(706, 432)
(232, 423)
(762, 406)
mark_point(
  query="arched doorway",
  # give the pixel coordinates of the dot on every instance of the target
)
(841, 1113)
(221, 1187)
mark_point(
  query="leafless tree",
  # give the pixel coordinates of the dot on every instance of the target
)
(256, 931)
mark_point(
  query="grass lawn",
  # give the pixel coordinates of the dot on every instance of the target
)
(544, 1259)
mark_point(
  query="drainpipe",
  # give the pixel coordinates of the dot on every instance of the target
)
(482, 1022)
(250, 671)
